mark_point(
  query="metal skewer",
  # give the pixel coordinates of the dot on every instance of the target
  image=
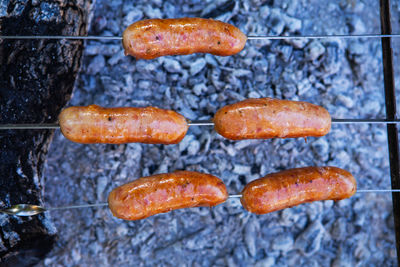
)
(31, 210)
(61, 37)
(22, 126)
(335, 121)
(250, 37)
(342, 36)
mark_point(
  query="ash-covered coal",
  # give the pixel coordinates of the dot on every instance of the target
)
(36, 81)
(344, 76)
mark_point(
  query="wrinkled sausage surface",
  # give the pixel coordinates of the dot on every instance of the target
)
(161, 193)
(296, 186)
(265, 118)
(95, 124)
(152, 38)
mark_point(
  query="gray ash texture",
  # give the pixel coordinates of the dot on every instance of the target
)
(345, 76)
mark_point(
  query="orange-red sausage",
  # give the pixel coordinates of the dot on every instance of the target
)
(296, 186)
(95, 124)
(165, 192)
(152, 38)
(265, 118)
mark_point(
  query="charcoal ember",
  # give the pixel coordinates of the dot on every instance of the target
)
(309, 241)
(251, 231)
(217, 9)
(276, 21)
(197, 66)
(36, 81)
(267, 262)
(283, 242)
(314, 50)
(342, 259)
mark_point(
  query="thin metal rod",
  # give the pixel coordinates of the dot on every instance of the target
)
(201, 123)
(61, 37)
(378, 191)
(369, 121)
(78, 206)
(230, 196)
(250, 37)
(31, 210)
(358, 191)
(29, 126)
(37, 126)
(323, 36)
(335, 121)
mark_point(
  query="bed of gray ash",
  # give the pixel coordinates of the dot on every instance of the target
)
(343, 76)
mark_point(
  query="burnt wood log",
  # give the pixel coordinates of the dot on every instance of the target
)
(36, 81)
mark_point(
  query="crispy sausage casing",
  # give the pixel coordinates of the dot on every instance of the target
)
(296, 186)
(165, 192)
(152, 38)
(94, 124)
(265, 118)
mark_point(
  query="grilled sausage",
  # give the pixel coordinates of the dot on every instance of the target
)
(94, 124)
(152, 38)
(165, 192)
(293, 187)
(270, 118)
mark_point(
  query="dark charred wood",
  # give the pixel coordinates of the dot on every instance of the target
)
(36, 81)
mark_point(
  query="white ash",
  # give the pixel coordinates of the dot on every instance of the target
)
(344, 76)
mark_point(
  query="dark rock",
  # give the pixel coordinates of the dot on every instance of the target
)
(36, 81)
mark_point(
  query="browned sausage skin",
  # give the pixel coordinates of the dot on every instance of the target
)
(152, 38)
(296, 186)
(95, 124)
(161, 193)
(265, 118)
